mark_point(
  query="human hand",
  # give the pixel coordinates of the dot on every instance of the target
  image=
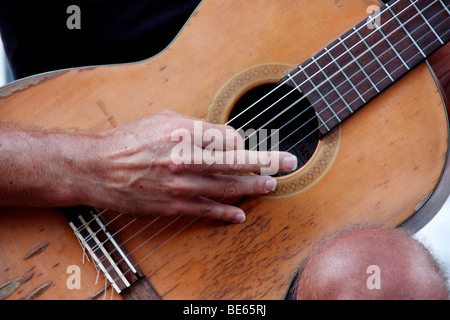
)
(138, 169)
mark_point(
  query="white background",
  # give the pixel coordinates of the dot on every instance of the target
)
(435, 235)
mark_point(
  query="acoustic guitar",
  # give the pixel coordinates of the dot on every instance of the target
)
(352, 96)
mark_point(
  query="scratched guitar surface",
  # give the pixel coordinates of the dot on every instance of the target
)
(390, 156)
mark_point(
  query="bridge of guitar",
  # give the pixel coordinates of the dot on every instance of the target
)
(99, 243)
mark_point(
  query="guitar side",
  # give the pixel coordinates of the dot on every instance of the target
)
(388, 161)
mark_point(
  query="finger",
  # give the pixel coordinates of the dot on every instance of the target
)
(206, 208)
(217, 137)
(223, 186)
(207, 135)
(244, 161)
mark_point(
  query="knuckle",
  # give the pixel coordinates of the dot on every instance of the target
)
(221, 212)
(177, 208)
(238, 141)
(213, 211)
(177, 168)
(206, 213)
(178, 189)
(236, 166)
(231, 188)
(259, 186)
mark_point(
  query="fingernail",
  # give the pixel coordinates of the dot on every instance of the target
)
(271, 184)
(240, 217)
(290, 163)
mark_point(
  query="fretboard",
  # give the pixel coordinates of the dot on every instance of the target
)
(370, 57)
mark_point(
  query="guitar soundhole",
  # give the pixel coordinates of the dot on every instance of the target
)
(282, 108)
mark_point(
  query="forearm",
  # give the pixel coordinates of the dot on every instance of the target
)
(39, 168)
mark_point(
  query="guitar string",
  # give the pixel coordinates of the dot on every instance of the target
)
(326, 81)
(174, 235)
(181, 229)
(291, 133)
(197, 218)
(88, 222)
(322, 55)
(169, 239)
(386, 77)
(297, 87)
(334, 60)
(339, 99)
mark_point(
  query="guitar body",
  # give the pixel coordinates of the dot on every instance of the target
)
(382, 164)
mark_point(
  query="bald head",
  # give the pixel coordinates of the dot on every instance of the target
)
(371, 263)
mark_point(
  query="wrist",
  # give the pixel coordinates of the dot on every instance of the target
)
(91, 164)
(79, 162)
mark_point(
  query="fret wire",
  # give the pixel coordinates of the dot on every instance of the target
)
(297, 86)
(359, 65)
(445, 7)
(426, 21)
(345, 75)
(379, 69)
(229, 121)
(352, 102)
(321, 95)
(355, 60)
(406, 31)
(323, 122)
(252, 105)
(334, 87)
(392, 46)
(391, 59)
(373, 54)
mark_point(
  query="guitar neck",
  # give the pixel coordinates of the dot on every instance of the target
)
(371, 56)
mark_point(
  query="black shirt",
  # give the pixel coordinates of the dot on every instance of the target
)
(37, 39)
